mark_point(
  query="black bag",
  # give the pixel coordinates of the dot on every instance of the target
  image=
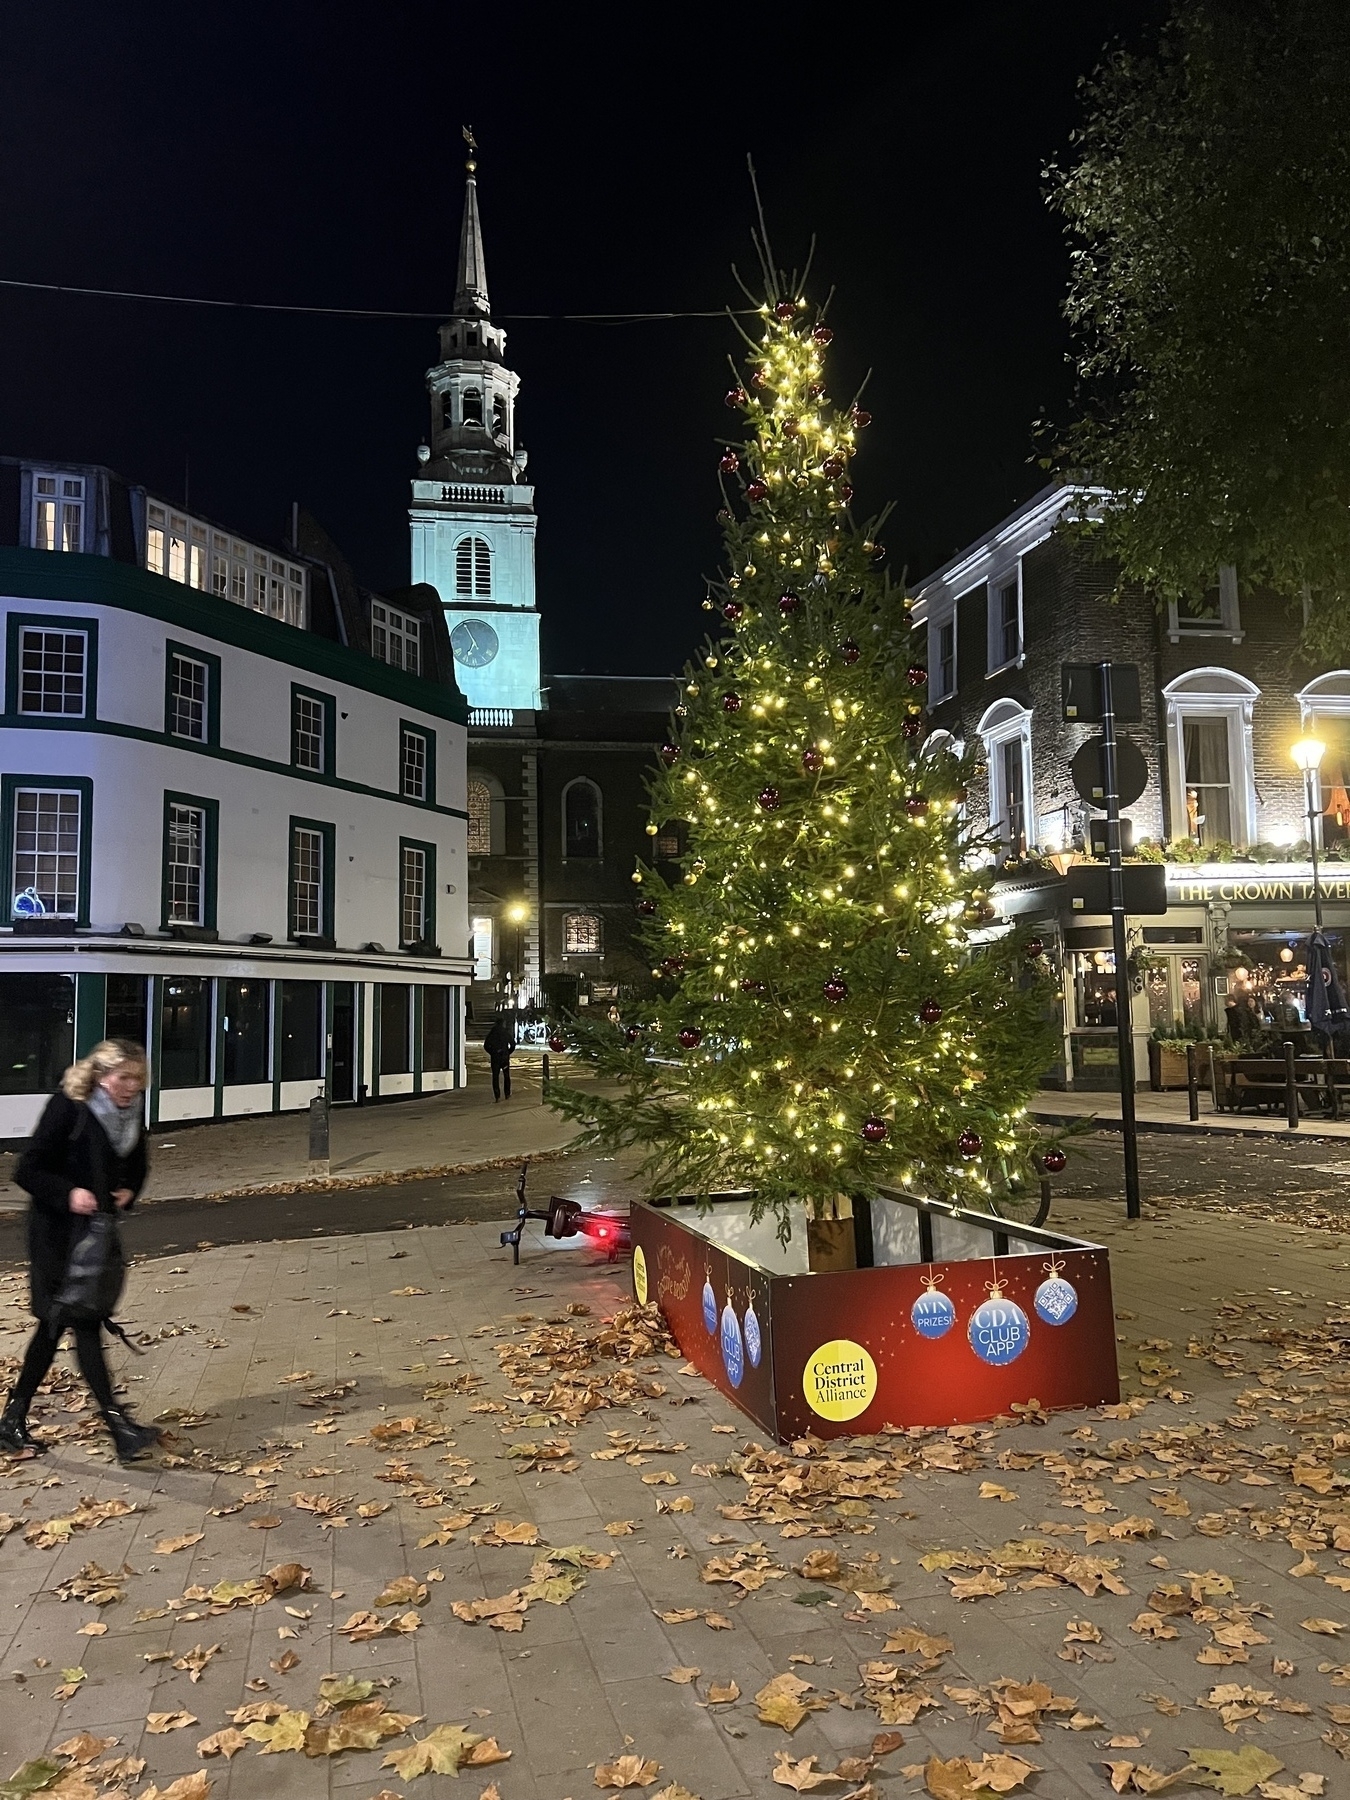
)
(95, 1274)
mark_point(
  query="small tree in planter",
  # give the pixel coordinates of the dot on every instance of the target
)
(821, 1023)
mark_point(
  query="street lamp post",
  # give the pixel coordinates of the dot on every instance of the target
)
(1307, 753)
(518, 913)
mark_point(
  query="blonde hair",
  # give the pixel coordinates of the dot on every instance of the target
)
(81, 1078)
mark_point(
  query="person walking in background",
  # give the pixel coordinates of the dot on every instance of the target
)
(499, 1043)
(86, 1156)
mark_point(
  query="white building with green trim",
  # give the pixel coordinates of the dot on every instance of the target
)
(232, 810)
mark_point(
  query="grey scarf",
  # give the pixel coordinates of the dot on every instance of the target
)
(122, 1124)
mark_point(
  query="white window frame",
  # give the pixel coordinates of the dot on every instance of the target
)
(408, 735)
(193, 552)
(55, 629)
(306, 738)
(309, 841)
(1007, 722)
(57, 511)
(995, 659)
(1208, 693)
(395, 637)
(594, 935)
(473, 568)
(195, 737)
(65, 860)
(185, 898)
(1227, 623)
(1325, 697)
(940, 622)
(412, 893)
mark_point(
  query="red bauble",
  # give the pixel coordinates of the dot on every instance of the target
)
(736, 396)
(835, 989)
(916, 806)
(731, 703)
(849, 651)
(750, 986)
(1054, 1161)
(670, 754)
(785, 310)
(760, 378)
(821, 335)
(813, 760)
(875, 1130)
(791, 427)
(930, 1012)
(770, 799)
(756, 490)
(911, 725)
(632, 1033)
(557, 1042)
(730, 462)
(970, 1143)
(860, 417)
(832, 468)
(690, 1037)
(846, 492)
(672, 965)
(816, 389)
(1033, 948)
(732, 611)
(647, 908)
(916, 675)
(789, 602)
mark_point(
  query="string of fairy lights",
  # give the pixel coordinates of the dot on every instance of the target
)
(825, 1023)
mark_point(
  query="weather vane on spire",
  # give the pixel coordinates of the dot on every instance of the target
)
(466, 132)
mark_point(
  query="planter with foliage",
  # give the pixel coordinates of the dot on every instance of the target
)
(822, 1022)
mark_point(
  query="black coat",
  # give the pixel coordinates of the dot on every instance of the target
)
(500, 1041)
(69, 1149)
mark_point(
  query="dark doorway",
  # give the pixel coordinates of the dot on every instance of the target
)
(343, 1029)
(126, 1009)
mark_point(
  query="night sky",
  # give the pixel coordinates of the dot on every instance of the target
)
(312, 155)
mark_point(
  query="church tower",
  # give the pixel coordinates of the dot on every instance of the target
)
(472, 515)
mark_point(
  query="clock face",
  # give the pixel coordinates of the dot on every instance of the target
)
(474, 643)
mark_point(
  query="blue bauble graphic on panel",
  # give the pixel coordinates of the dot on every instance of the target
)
(1056, 1300)
(999, 1331)
(733, 1349)
(709, 1306)
(754, 1337)
(932, 1314)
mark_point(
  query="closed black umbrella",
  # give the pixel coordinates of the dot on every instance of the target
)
(1327, 1012)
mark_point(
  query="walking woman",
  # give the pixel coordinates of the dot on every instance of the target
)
(86, 1156)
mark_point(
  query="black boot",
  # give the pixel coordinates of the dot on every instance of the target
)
(130, 1440)
(15, 1437)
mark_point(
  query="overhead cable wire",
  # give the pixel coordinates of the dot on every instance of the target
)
(357, 312)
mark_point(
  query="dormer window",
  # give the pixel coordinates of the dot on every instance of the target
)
(471, 337)
(472, 402)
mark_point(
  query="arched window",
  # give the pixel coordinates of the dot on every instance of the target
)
(486, 807)
(1209, 743)
(473, 568)
(471, 406)
(1006, 731)
(1324, 712)
(581, 820)
(447, 409)
(499, 416)
(583, 934)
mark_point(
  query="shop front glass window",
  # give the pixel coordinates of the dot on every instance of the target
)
(37, 1031)
(1094, 988)
(1269, 986)
(246, 1025)
(301, 1011)
(185, 1032)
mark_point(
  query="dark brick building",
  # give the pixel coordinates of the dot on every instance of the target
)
(1224, 696)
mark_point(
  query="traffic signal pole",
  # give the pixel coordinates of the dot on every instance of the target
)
(1116, 879)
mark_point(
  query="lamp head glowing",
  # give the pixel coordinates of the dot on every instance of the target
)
(1307, 753)
(518, 913)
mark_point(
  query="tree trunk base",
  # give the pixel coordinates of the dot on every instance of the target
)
(830, 1245)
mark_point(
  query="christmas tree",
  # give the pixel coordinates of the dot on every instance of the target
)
(821, 1023)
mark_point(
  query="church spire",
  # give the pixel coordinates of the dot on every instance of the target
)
(471, 295)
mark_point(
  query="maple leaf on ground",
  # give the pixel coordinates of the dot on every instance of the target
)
(284, 1732)
(169, 1545)
(1323, 1627)
(84, 1747)
(626, 1772)
(160, 1722)
(962, 1777)
(674, 1791)
(976, 1587)
(361, 1727)
(35, 1775)
(225, 1743)
(682, 1674)
(804, 1775)
(725, 1693)
(403, 1590)
(187, 1787)
(1232, 1771)
(344, 1690)
(444, 1751)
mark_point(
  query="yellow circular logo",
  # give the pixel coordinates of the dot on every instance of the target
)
(640, 1276)
(839, 1380)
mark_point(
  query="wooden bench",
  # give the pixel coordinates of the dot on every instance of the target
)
(1262, 1081)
